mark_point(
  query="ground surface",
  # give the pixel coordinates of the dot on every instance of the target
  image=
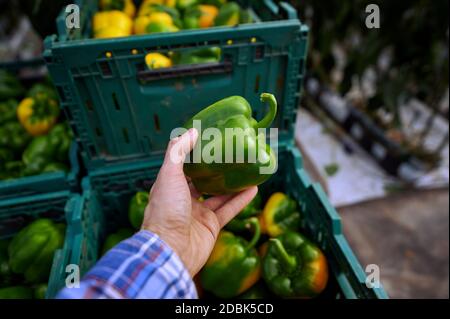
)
(407, 235)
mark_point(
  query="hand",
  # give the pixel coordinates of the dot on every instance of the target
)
(174, 213)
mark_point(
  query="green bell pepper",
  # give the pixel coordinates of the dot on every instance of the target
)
(31, 250)
(47, 153)
(115, 238)
(217, 3)
(40, 291)
(294, 267)
(6, 155)
(184, 4)
(35, 167)
(191, 18)
(39, 147)
(257, 291)
(228, 173)
(6, 275)
(13, 136)
(233, 266)
(13, 169)
(245, 16)
(8, 111)
(279, 215)
(229, 15)
(136, 209)
(59, 140)
(207, 55)
(54, 167)
(240, 223)
(38, 154)
(16, 292)
(10, 86)
(43, 89)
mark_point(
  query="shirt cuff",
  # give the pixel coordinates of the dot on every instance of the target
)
(143, 266)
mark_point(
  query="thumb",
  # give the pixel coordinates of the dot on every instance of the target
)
(177, 150)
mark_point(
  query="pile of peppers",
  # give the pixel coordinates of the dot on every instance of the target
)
(120, 18)
(285, 265)
(136, 210)
(26, 259)
(31, 139)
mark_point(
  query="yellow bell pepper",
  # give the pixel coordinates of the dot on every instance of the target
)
(208, 15)
(157, 61)
(112, 24)
(127, 6)
(38, 114)
(170, 3)
(141, 22)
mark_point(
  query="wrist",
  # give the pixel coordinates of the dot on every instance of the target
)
(172, 244)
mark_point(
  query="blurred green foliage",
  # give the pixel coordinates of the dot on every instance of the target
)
(413, 38)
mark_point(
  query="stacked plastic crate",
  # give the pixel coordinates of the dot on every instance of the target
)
(122, 114)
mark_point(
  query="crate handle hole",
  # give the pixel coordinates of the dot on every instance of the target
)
(125, 135)
(257, 81)
(156, 121)
(89, 105)
(98, 131)
(116, 102)
(301, 66)
(280, 83)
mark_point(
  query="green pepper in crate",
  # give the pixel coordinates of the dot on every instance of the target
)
(217, 3)
(184, 4)
(233, 266)
(31, 250)
(207, 55)
(226, 175)
(279, 215)
(6, 155)
(37, 155)
(10, 86)
(13, 136)
(245, 16)
(240, 222)
(59, 140)
(136, 209)
(54, 167)
(11, 170)
(16, 292)
(8, 111)
(201, 16)
(229, 15)
(44, 90)
(294, 267)
(115, 238)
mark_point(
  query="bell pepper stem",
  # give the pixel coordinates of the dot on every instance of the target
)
(287, 260)
(268, 119)
(254, 224)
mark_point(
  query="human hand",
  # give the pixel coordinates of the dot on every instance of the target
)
(174, 213)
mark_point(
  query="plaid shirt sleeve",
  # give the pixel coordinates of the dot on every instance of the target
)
(142, 266)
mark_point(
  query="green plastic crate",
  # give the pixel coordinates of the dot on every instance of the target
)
(18, 212)
(108, 193)
(120, 111)
(86, 220)
(44, 183)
